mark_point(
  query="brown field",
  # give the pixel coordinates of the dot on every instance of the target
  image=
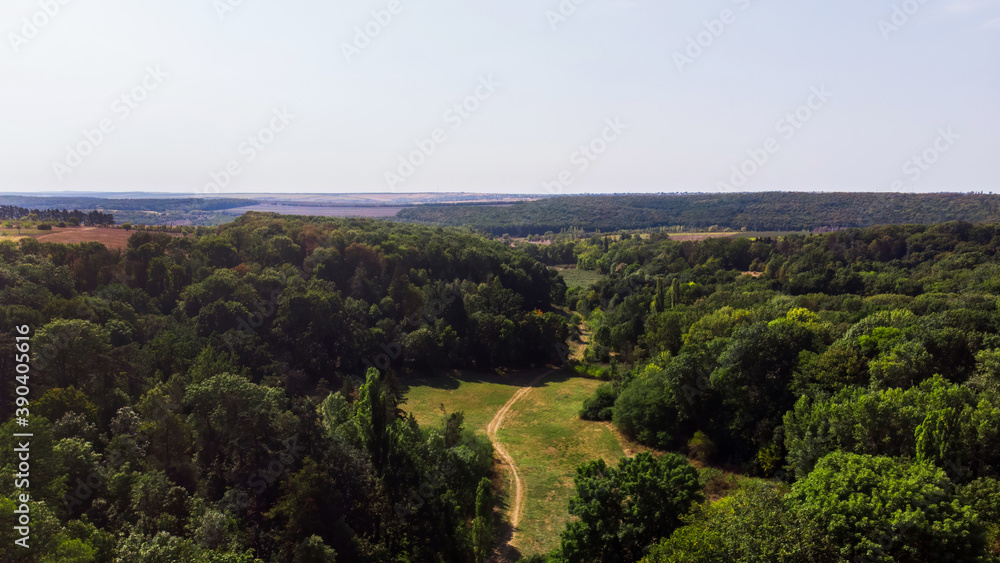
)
(402, 198)
(323, 211)
(111, 238)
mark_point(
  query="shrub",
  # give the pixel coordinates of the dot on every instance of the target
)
(600, 406)
(701, 447)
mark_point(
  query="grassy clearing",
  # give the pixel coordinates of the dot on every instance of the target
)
(13, 234)
(543, 434)
(479, 396)
(575, 277)
(547, 438)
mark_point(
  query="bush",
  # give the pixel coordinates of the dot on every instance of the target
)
(44, 227)
(716, 483)
(598, 372)
(645, 410)
(600, 406)
(701, 447)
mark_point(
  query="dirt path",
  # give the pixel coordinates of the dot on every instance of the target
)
(491, 431)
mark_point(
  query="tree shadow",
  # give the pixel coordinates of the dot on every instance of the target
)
(505, 553)
(450, 381)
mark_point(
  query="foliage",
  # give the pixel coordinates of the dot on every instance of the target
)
(769, 211)
(625, 509)
(189, 382)
(235, 395)
(882, 509)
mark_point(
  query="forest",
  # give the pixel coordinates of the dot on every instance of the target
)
(236, 394)
(75, 217)
(126, 204)
(770, 211)
(140, 211)
(851, 379)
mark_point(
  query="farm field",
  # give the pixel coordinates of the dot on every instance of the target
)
(542, 433)
(112, 238)
(374, 211)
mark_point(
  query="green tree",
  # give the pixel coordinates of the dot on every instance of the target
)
(310, 505)
(623, 510)
(313, 550)
(158, 505)
(754, 377)
(238, 425)
(375, 413)
(659, 301)
(71, 352)
(482, 525)
(751, 525)
(883, 509)
(160, 548)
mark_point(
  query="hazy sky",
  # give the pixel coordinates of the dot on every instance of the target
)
(524, 96)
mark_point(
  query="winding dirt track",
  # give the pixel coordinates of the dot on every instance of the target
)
(491, 431)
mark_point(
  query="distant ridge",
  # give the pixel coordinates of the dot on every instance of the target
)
(767, 211)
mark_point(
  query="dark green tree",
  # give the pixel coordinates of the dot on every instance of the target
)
(622, 511)
(482, 526)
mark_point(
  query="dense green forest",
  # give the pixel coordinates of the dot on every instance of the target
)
(771, 211)
(855, 375)
(104, 211)
(234, 396)
(75, 217)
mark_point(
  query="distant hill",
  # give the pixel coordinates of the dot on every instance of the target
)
(142, 208)
(144, 211)
(125, 204)
(770, 211)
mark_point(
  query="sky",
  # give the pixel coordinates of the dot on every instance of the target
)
(504, 96)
